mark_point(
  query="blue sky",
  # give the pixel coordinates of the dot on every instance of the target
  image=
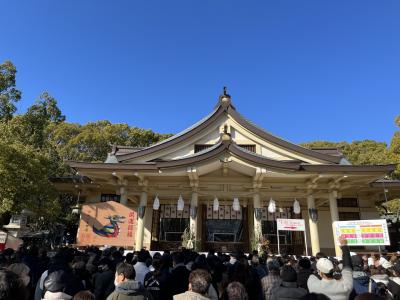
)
(303, 70)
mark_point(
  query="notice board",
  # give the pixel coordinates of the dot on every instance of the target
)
(363, 232)
(107, 224)
(291, 224)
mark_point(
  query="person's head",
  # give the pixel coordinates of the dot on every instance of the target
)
(288, 274)
(199, 281)
(84, 295)
(11, 286)
(124, 273)
(32, 250)
(320, 255)
(22, 271)
(157, 255)
(325, 268)
(143, 255)
(200, 263)
(156, 263)
(105, 264)
(235, 291)
(234, 255)
(129, 257)
(64, 256)
(117, 256)
(56, 282)
(304, 263)
(357, 262)
(273, 266)
(178, 258)
(255, 261)
(166, 261)
(396, 269)
(381, 289)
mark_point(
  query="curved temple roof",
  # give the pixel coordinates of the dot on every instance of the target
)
(227, 146)
(226, 107)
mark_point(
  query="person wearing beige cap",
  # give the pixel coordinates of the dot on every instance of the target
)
(328, 285)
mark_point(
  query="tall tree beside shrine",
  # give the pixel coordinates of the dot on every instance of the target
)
(395, 148)
(9, 95)
(92, 142)
(364, 152)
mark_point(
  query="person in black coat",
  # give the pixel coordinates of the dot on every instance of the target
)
(247, 276)
(394, 281)
(103, 281)
(179, 279)
(304, 271)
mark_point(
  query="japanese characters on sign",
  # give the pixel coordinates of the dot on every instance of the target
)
(107, 223)
(363, 232)
(291, 224)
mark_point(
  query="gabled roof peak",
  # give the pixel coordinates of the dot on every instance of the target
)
(225, 106)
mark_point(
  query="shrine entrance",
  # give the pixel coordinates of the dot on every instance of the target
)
(225, 229)
(168, 226)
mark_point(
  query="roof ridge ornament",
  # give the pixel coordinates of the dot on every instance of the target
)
(225, 98)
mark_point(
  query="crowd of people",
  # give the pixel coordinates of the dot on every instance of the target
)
(110, 275)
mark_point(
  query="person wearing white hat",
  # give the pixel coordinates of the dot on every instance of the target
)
(328, 285)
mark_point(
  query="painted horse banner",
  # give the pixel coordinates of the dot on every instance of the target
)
(107, 224)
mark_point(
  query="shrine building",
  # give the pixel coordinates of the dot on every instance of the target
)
(228, 180)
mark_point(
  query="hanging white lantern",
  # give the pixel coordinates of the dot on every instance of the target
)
(236, 204)
(156, 203)
(181, 203)
(271, 206)
(296, 207)
(215, 204)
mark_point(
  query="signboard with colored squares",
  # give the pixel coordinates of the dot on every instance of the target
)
(363, 232)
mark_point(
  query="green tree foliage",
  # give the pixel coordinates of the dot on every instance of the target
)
(24, 180)
(395, 148)
(365, 152)
(92, 142)
(35, 145)
(9, 95)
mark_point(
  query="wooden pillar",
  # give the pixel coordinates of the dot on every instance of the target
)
(141, 221)
(335, 217)
(314, 236)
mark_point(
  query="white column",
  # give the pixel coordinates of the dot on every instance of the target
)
(141, 221)
(314, 237)
(193, 215)
(257, 222)
(124, 195)
(335, 217)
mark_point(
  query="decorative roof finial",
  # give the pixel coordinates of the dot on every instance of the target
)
(225, 97)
